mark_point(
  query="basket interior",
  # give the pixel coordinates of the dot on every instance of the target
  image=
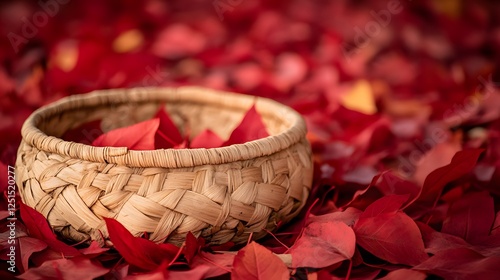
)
(196, 116)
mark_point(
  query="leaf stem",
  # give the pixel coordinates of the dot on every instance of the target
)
(250, 238)
(275, 238)
(214, 263)
(349, 270)
(179, 252)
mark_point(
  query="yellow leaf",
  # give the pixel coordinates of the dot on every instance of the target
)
(66, 56)
(451, 8)
(360, 98)
(128, 41)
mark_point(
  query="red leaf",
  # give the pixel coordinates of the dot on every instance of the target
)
(349, 216)
(323, 244)
(140, 136)
(390, 234)
(206, 139)
(219, 263)
(38, 258)
(36, 224)
(256, 262)
(386, 205)
(437, 241)
(38, 227)
(4, 183)
(93, 250)
(363, 197)
(28, 246)
(471, 217)
(85, 134)
(168, 134)
(389, 183)
(75, 268)
(462, 263)
(392, 237)
(462, 163)
(118, 272)
(192, 246)
(251, 128)
(405, 273)
(139, 251)
(157, 274)
(206, 265)
(439, 156)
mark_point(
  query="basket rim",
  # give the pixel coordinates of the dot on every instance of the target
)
(165, 158)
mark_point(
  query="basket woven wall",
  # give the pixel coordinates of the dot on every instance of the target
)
(221, 194)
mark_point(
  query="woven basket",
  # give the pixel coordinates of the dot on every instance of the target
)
(222, 194)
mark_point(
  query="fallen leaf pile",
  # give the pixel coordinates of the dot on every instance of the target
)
(401, 99)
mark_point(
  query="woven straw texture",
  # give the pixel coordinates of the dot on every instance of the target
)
(222, 194)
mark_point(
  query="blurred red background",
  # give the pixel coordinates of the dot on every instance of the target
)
(375, 80)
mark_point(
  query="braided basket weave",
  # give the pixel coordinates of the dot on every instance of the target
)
(222, 194)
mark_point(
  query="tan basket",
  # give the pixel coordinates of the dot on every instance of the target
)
(221, 194)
